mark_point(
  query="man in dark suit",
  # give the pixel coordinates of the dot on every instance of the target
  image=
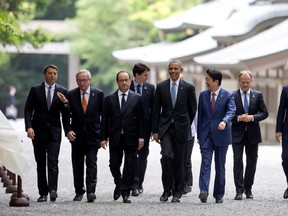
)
(85, 106)
(215, 111)
(173, 113)
(282, 132)
(43, 126)
(123, 124)
(147, 90)
(250, 110)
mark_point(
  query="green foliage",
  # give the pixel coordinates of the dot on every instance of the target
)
(14, 11)
(108, 25)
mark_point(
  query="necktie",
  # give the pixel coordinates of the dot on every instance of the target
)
(49, 97)
(213, 101)
(139, 89)
(84, 102)
(173, 93)
(123, 101)
(245, 102)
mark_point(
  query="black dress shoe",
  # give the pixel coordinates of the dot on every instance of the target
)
(117, 193)
(165, 196)
(285, 195)
(53, 195)
(42, 198)
(135, 192)
(238, 196)
(187, 189)
(78, 197)
(218, 200)
(126, 199)
(91, 197)
(175, 199)
(140, 189)
(249, 194)
(203, 197)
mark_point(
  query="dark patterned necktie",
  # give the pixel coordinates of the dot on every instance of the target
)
(49, 97)
(213, 101)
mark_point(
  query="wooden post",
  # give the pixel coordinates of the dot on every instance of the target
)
(21, 200)
(11, 188)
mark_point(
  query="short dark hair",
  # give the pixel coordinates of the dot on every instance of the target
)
(122, 71)
(50, 66)
(215, 75)
(140, 68)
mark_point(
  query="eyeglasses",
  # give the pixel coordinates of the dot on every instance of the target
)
(82, 80)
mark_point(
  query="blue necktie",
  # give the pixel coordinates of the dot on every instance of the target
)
(173, 93)
(245, 102)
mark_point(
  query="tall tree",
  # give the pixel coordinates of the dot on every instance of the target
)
(107, 25)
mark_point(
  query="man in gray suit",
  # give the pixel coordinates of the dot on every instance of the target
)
(250, 110)
(173, 113)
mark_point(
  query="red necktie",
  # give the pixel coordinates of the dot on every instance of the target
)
(84, 102)
(213, 101)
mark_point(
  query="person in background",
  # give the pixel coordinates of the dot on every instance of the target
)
(282, 132)
(11, 110)
(188, 183)
(173, 113)
(140, 85)
(246, 133)
(122, 124)
(215, 111)
(188, 179)
(43, 126)
(85, 106)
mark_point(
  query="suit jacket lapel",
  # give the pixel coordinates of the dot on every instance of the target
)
(43, 93)
(238, 101)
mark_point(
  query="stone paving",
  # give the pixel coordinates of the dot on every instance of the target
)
(268, 188)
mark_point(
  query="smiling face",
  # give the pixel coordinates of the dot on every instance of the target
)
(211, 85)
(174, 71)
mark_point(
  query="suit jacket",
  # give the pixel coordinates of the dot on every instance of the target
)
(37, 115)
(208, 121)
(181, 115)
(282, 117)
(86, 125)
(148, 92)
(256, 108)
(131, 120)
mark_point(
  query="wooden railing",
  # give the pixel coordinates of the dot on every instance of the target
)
(18, 198)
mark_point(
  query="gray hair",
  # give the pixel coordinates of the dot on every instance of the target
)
(84, 71)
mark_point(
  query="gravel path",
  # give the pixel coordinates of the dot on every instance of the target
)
(268, 188)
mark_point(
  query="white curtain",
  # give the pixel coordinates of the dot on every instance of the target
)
(12, 154)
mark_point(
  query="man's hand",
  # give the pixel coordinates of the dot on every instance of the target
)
(62, 97)
(30, 133)
(140, 145)
(222, 125)
(155, 137)
(71, 136)
(104, 144)
(245, 118)
(279, 137)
